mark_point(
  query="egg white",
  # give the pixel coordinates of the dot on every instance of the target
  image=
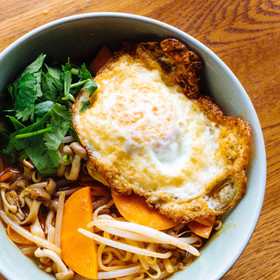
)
(150, 133)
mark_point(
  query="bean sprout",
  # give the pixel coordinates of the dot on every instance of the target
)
(125, 250)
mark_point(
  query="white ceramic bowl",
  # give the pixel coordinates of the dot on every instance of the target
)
(79, 37)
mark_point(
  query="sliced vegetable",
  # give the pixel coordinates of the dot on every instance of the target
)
(6, 174)
(101, 58)
(202, 228)
(135, 209)
(77, 251)
(208, 221)
(17, 238)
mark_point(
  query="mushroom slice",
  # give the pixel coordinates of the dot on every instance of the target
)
(51, 186)
(36, 229)
(63, 272)
(80, 153)
(36, 193)
(73, 173)
(8, 201)
(33, 212)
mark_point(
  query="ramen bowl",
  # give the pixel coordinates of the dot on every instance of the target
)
(80, 37)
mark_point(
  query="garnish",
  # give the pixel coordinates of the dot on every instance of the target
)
(40, 100)
(85, 106)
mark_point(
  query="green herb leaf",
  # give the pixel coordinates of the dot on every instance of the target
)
(85, 106)
(35, 66)
(67, 66)
(25, 99)
(90, 86)
(38, 89)
(17, 124)
(21, 144)
(27, 113)
(85, 74)
(59, 123)
(46, 161)
(67, 85)
(38, 108)
(42, 108)
(52, 81)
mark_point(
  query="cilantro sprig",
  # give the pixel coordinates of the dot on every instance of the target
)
(38, 116)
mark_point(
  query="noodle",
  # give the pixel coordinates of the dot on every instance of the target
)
(168, 266)
(142, 260)
(118, 254)
(119, 273)
(100, 250)
(109, 258)
(156, 268)
(125, 251)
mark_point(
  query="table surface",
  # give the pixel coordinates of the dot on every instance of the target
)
(245, 34)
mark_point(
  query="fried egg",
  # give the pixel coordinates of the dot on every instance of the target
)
(148, 130)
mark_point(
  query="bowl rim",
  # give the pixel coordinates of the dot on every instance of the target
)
(260, 139)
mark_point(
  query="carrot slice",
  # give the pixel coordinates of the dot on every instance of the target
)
(202, 228)
(135, 209)
(207, 222)
(101, 58)
(17, 238)
(6, 175)
(78, 251)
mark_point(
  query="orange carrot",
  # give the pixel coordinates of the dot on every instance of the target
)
(101, 58)
(17, 238)
(135, 209)
(78, 251)
(202, 227)
(6, 175)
